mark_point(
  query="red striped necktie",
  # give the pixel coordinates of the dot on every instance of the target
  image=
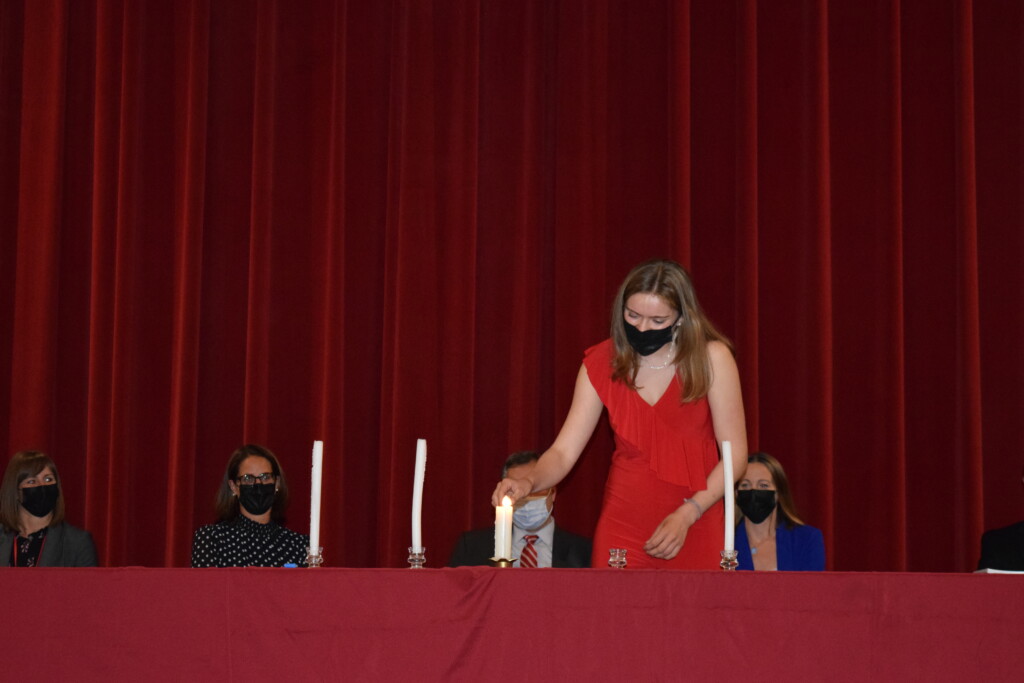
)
(528, 558)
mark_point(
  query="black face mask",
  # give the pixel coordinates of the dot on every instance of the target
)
(256, 498)
(40, 500)
(756, 505)
(647, 342)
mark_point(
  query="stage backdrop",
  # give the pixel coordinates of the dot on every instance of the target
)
(368, 222)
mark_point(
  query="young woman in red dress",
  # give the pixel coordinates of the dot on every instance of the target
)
(670, 383)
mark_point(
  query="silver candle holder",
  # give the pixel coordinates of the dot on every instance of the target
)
(417, 558)
(617, 558)
(729, 561)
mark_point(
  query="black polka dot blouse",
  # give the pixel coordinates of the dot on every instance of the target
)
(245, 543)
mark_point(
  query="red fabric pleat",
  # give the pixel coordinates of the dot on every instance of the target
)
(38, 177)
(967, 530)
(192, 38)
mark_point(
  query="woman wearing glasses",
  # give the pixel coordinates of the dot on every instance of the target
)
(250, 509)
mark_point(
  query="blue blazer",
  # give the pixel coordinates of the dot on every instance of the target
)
(801, 548)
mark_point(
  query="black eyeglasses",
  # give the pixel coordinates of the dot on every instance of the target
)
(250, 479)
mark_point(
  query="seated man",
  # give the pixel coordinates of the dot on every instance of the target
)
(1003, 548)
(536, 540)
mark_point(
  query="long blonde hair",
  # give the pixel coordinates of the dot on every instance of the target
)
(670, 282)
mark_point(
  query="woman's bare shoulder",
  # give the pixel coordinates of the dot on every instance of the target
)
(719, 351)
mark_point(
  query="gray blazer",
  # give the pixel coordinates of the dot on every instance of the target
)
(65, 546)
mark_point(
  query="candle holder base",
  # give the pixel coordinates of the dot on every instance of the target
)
(729, 561)
(500, 562)
(617, 558)
(314, 560)
(417, 558)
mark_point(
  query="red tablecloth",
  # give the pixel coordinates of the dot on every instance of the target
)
(493, 624)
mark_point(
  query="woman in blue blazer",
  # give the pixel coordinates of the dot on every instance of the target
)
(771, 535)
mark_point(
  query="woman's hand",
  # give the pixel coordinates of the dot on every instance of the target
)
(667, 540)
(513, 488)
(556, 461)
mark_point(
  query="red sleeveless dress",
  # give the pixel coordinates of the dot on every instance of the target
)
(663, 454)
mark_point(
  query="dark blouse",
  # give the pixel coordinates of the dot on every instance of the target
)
(25, 551)
(245, 543)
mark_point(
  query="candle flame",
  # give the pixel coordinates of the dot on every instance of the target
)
(506, 502)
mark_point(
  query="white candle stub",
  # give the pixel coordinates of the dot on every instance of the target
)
(503, 530)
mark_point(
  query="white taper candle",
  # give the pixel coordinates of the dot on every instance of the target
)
(730, 496)
(314, 497)
(417, 495)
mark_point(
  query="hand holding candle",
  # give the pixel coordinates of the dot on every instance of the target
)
(730, 494)
(417, 494)
(314, 497)
(503, 530)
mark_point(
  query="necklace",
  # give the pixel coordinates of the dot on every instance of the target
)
(755, 546)
(668, 360)
(770, 537)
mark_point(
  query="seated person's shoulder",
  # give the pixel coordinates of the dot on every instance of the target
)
(211, 532)
(295, 536)
(1003, 548)
(208, 529)
(79, 548)
(73, 532)
(576, 537)
(578, 548)
(473, 548)
(808, 532)
(1008, 531)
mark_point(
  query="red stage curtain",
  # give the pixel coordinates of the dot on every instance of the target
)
(368, 222)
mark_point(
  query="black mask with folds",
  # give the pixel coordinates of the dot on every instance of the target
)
(647, 342)
(756, 504)
(257, 498)
(40, 500)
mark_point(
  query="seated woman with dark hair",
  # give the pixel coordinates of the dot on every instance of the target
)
(762, 543)
(250, 511)
(34, 533)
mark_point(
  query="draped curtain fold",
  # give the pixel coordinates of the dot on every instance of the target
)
(372, 222)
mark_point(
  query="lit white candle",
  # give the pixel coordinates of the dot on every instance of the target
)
(730, 495)
(314, 497)
(503, 530)
(417, 495)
